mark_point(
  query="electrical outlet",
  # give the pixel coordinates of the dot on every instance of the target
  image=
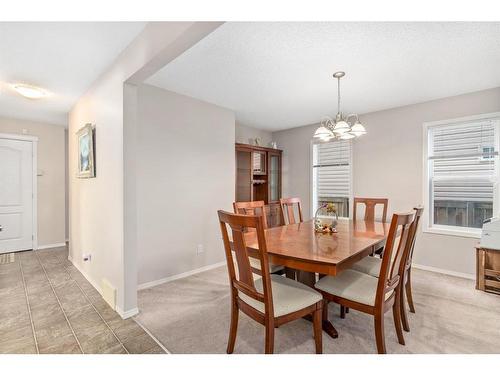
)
(87, 258)
(199, 249)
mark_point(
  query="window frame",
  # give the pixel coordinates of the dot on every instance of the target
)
(312, 190)
(428, 219)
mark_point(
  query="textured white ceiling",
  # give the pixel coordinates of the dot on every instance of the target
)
(64, 58)
(279, 75)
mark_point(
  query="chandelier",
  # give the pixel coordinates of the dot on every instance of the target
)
(341, 127)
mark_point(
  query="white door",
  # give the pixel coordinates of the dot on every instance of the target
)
(16, 195)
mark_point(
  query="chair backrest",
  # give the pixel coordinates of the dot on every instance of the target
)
(286, 204)
(390, 270)
(251, 208)
(370, 204)
(243, 280)
(418, 214)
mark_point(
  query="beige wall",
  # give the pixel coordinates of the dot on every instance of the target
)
(388, 162)
(100, 213)
(51, 184)
(246, 134)
(185, 158)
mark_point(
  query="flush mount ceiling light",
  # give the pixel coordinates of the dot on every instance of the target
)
(340, 127)
(29, 91)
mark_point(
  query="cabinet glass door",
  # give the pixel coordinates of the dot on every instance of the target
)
(274, 177)
(243, 176)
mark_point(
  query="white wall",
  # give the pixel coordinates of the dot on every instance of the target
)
(185, 158)
(51, 184)
(247, 134)
(388, 163)
(98, 212)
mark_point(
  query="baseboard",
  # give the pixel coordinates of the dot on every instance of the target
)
(123, 314)
(89, 279)
(445, 272)
(150, 284)
(49, 246)
(127, 314)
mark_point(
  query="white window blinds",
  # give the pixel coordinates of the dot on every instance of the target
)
(333, 172)
(463, 164)
(463, 161)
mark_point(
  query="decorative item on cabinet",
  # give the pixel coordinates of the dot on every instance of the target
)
(258, 177)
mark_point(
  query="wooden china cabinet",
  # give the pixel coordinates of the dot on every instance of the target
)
(258, 178)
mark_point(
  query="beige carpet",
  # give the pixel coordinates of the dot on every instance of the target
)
(191, 315)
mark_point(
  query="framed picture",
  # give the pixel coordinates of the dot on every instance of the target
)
(86, 164)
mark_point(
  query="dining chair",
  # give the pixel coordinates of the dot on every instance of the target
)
(407, 273)
(251, 208)
(374, 296)
(370, 205)
(271, 300)
(287, 205)
(371, 266)
(256, 208)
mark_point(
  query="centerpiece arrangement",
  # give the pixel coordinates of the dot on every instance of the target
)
(326, 225)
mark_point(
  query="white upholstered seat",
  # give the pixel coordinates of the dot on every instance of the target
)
(288, 296)
(351, 285)
(255, 263)
(368, 265)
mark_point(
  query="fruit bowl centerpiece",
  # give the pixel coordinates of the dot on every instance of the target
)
(326, 224)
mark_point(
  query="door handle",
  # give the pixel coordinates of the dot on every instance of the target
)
(1, 228)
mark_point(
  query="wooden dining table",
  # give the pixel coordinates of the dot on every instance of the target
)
(299, 247)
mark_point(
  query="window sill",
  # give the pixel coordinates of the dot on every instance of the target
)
(454, 232)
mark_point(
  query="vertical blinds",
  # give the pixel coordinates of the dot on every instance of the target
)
(463, 160)
(332, 162)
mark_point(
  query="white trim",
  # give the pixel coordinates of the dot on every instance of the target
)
(466, 232)
(49, 246)
(444, 272)
(127, 314)
(429, 217)
(312, 191)
(89, 279)
(151, 284)
(484, 116)
(19, 137)
(351, 180)
(34, 143)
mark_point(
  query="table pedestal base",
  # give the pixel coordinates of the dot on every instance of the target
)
(309, 279)
(327, 327)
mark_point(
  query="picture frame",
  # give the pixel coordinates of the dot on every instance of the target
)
(85, 138)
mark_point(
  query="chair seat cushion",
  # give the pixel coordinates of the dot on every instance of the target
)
(368, 265)
(351, 285)
(255, 263)
(288, 296)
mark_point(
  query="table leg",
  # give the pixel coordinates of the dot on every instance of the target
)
(290, 273)
(309, 278)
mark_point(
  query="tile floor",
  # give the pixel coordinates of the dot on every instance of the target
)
(47, 306)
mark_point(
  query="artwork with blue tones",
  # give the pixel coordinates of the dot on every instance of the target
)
(86, 165)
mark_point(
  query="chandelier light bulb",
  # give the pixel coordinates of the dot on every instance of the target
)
(341, 127)
(357, 129)
(322, 132)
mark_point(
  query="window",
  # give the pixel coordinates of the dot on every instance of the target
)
(331, 175)
(462, 174)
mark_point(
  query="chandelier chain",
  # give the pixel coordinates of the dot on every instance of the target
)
(338, 95)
